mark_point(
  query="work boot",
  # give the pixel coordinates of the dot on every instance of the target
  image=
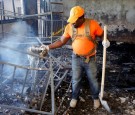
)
(73, 103)
(96, 103)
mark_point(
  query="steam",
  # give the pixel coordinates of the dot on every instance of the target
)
(17, 41)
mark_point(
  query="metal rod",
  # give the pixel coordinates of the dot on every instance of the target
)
(3, 9)
(13, 3)
(47, 80)
(27, 16)
(52, 87)
(35, 76)
(25, 81)
(1, 70)
(56, 87)
(21, 108)
(2, 12)
(41, 69)
(21, 51)
(51, 27)
(13, 76)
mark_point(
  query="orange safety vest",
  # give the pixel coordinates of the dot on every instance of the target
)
(83, 45)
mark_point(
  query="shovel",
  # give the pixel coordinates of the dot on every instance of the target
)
(103, 102)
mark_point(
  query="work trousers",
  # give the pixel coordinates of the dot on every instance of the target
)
(90, 68)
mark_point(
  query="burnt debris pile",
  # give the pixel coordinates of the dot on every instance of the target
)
(120, 67)
(29, 87)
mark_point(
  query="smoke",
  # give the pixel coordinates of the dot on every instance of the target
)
(16, 42)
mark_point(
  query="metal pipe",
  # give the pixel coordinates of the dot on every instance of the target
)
(27, 16)
(32, 54)
(30, 110)
(48, 81)
(41, 69)
(1, 70)
(13, 3)
(51, 26)
(2, 18)
(25, 81)
(52, 87)
(64, 75)
(13, 76)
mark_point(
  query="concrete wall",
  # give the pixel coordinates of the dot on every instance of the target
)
(119, 15)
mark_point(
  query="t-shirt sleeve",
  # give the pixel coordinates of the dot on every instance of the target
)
(66, 31)
(99, 30)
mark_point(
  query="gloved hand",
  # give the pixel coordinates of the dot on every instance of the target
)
(45, 49)
(106, 43)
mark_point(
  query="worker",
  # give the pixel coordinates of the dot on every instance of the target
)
(84, 51)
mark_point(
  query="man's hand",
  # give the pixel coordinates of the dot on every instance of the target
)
(106, 43)
(45, 49)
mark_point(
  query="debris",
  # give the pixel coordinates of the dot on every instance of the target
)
(81, 99)
(133, 102)
(132, 112)
(122, 99)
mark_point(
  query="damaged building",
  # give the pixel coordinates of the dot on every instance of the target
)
(35, 83)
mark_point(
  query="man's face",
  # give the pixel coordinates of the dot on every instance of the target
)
(78, 22)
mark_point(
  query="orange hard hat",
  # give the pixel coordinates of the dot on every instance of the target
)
(75, 13)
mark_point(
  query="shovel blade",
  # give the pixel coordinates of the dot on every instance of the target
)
(105, 105)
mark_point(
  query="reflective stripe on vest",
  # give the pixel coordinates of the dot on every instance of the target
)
(87, 34)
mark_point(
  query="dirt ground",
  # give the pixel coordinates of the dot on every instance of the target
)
(120, 101)
(119, 86)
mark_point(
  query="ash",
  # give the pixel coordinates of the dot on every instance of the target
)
(119, 85)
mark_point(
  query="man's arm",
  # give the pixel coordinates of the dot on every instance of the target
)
(57, 44)
(62, 41)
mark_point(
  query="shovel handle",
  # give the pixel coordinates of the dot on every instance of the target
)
(104, 63)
